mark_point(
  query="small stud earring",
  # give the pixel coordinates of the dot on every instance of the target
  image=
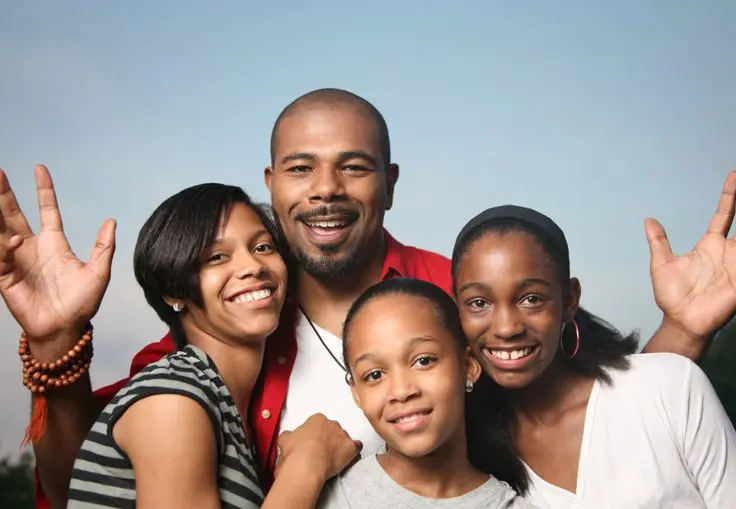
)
(176, 307)
(468, 385)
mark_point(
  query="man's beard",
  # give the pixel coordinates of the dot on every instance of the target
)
(326, 268)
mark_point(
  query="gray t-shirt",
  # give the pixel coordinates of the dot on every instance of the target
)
(366, 485)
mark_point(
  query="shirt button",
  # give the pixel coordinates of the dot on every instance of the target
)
(281, 359)
(266, 414)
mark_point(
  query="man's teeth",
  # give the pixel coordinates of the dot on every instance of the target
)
(252, 296)
(512, 354)
(327, 224)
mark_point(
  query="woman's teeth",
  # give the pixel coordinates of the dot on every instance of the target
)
(252, 296)
(511, 354)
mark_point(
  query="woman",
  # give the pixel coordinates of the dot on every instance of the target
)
(409, 371)
(175, 436)
(595, 424)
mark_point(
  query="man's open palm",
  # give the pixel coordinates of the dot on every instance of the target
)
(46, 287)
(698, 290)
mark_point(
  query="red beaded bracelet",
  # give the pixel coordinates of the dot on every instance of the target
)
(40, 377)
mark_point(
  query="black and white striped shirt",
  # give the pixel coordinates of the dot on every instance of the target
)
(103, 475)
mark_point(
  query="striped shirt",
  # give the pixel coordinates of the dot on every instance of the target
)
(103, 475)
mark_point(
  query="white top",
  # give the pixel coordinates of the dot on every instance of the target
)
(658, 437)
(317, 385)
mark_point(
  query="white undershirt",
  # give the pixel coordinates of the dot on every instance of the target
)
(658, 437)
(317, 385)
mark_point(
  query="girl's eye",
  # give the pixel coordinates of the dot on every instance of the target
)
(532, 300)
(264, 248)
(478, 303)
(372, 376)
(425, 361)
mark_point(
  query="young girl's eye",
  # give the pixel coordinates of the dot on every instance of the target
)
(373, 376)
(425, 361)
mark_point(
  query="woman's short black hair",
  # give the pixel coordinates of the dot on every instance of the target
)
(167, 256)
(487, 452)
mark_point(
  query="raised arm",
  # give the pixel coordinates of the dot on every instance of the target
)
(52, 295)
(696, 291)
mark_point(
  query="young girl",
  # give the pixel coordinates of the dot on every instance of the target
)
(208, 263)
(409, 371)
(596, 425)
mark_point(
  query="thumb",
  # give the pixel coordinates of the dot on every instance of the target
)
(659, 247)
(101, 259)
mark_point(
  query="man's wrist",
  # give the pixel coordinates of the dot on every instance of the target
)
(680, 340)
(52, 348)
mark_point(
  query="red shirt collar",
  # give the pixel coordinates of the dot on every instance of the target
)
(394, 264)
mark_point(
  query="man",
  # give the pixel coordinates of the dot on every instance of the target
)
(331, 182)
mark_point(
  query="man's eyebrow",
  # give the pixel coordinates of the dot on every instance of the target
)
(298, 156)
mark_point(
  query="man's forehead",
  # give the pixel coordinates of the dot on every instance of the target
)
(327, 131)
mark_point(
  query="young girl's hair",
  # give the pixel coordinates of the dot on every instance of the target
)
(167, 256)
(485, 451)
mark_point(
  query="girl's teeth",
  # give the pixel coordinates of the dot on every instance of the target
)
(253, 296)
(513, 354)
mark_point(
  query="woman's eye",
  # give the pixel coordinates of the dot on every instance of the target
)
(216, 258)
(264, 248)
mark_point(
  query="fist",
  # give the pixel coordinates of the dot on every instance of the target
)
(320, 445)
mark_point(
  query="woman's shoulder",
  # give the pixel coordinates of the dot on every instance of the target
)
(654, 380)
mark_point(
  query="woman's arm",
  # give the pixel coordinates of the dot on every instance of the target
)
(171, 444)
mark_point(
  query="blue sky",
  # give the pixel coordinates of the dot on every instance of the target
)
(598, 113)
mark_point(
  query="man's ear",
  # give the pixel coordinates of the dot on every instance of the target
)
(267, 176)
(392, 176)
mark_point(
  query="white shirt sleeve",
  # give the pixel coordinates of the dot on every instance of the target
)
(707, 438)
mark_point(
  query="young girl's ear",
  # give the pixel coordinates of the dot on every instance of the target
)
(472, 366)
(356, 398)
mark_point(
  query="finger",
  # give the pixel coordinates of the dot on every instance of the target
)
(7, 256)
(722, 219)
(659, 247)
(11, 217)
(101, 259)
(47, 204)
(358, 445)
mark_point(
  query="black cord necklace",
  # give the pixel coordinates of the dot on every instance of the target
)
(319, 336)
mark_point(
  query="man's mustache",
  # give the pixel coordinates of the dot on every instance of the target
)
(345, 211)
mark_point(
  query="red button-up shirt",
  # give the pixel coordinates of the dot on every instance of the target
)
(270, 394)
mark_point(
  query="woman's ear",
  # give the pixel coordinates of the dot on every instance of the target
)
(175, 304)
(572, 300)
(472, 366)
